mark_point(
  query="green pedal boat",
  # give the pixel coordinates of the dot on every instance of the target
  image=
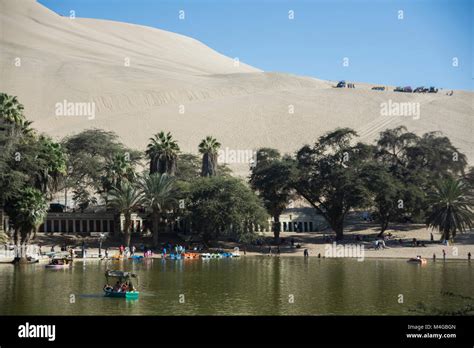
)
(124, 287)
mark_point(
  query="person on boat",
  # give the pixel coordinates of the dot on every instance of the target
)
(117, 286)
(124, 287)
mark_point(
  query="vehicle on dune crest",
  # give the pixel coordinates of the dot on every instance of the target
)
(420, 90)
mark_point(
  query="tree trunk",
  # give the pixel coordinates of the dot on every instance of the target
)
(383, 227)
(446, 234)
(126, 230)
(276, 228)
(117, 225)
(338, 228)
(15, 236)
(156, 227)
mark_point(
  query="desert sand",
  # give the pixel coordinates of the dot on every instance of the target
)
(143, 80)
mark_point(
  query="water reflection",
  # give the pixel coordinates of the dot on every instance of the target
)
(249, 286)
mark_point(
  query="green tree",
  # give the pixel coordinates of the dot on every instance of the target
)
(117, 170)
(418, 162)
(270, 177)
(125, 200)
(83, 197)
(26, 210)
(51, 162)
(224, 206)
(188, 167)
(209, 147)
(386, 193)
(163, 152)
(96, 160)
(159, 196)
(328, 176)
(450, 208)
(11, 110)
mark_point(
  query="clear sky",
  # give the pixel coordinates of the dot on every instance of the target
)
(419, 49)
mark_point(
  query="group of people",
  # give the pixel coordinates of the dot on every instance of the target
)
(120, 287)
(176, 249)
(126, 251)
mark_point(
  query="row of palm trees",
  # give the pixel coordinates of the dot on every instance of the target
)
(156, 191)
(163, 151)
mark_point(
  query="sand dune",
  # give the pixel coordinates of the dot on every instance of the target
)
(179, 84)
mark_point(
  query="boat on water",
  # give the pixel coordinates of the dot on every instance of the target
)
(124, 287)
(219, 255)
(418, 260)
(59, 263)
(196, 255)
(135, 257)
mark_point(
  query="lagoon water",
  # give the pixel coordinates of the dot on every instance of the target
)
(251, 285)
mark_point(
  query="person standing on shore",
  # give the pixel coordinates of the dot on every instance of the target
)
(444, 255)
(469, 256)
(306, 253)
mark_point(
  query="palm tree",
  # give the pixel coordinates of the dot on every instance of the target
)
(51, 161)
(11, 110)
(117, 170)
(27, 210)
(159, 195)
(13, 121)
(125, 200)
(209, 147)
(163, 153)
(451, 208)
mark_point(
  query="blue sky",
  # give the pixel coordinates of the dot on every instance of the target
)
(416, 50)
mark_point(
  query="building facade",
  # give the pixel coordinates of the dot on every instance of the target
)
(86, 223)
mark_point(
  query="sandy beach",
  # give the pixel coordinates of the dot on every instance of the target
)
(315, 242)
